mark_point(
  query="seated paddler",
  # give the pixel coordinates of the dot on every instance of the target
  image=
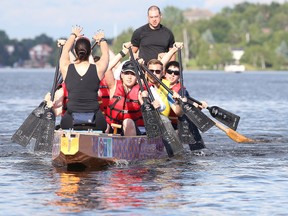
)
(125, 101)
(82, 80)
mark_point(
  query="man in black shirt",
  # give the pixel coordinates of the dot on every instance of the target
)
(152, 38)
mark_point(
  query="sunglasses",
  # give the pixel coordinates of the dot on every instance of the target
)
(172, 71)
(128, 73)
(155, 71)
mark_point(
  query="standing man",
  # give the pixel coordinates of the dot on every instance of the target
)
(152, 38)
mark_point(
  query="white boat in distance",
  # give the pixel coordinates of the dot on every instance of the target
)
(234, 68)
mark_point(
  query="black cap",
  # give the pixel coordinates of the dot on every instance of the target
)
(128, 66)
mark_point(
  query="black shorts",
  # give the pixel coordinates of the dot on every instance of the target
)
(100, 122)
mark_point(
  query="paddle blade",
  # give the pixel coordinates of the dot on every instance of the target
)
(184, 132)
(189, 134)
(25, 132)
(151, 120)
(170, 138)
(237, 137)
(234, 135)
(202, 122)
(45, 136)
(229, 119)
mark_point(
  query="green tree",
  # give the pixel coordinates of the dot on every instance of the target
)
(208, 37)
(4, 55)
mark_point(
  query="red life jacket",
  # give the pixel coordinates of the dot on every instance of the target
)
(123, 106)
(103, 96)
(65, 98)
(172, 116)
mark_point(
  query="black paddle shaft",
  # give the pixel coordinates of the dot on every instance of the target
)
(148, 111)
(231, 120)
(56, 76)
(188, 132)
(181, 73)
(170, 138)
(195, 115)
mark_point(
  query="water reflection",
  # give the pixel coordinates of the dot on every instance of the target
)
(115, 188)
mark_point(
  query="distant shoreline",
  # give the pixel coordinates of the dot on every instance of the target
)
(27, 69)
(48, 70)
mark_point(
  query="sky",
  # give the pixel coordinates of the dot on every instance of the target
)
(30, 18)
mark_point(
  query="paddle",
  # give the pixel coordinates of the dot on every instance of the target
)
(229, 119)
(193, 114)
(233, 134)
(25, 132)
(45, 135)
(170, 139)
(149, 113)
(33, 126)
(188, 132)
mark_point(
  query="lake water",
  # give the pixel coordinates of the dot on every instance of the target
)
(226, 178)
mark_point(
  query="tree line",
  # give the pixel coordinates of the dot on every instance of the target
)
(261, 30)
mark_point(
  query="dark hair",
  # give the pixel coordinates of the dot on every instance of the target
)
(83, 49)
(153, 7)
(172, 63)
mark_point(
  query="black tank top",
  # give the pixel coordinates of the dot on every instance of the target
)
(82, 90)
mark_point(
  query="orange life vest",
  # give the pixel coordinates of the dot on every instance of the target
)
(103, 96)
(65, 98)
(172, 116)
(123, 106)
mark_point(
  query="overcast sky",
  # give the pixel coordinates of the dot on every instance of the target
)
(29, 18)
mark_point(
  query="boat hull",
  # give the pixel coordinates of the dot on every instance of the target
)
(93, 150)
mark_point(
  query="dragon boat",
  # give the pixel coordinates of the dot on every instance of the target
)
(95, 150)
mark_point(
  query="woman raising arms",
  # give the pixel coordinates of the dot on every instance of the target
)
(82, 81)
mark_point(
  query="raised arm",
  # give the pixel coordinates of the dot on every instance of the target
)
(166, 58)
(109, 75)
(103, 62)
(65, 57)
(114, 61)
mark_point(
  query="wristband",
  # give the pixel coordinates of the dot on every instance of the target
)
(74, 35)
(122, 54)
(101, 40)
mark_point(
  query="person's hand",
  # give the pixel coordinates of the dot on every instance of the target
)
(156, 104)
(76, 30)
(126, 45)
(184, 99)
(178, 45)
(61, 42)
(47, 98)
(144, 94)
(204, 105)
(98, 36)
(125, 48)
(141, 61)
(175, 95)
